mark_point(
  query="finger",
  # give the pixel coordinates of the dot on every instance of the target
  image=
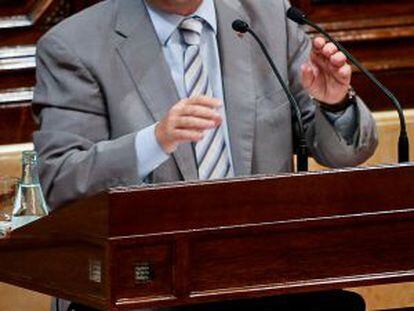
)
(320, 61)
(205, 101)
(318, 44)
(342, 75)
(329, 49)
(308, 76)
(192, 123)
(202, 112)
(184, 135)
(338, 59)
(345, 73)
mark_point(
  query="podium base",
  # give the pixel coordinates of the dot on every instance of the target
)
(78, 307)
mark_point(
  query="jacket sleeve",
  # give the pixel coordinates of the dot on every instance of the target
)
(77, 155)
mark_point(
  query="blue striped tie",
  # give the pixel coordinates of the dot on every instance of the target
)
(211, 152)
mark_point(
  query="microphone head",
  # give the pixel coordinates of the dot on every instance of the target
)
(240, 26)
(296, 15)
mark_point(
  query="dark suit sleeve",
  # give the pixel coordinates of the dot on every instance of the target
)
(325, 141)
(77, 155)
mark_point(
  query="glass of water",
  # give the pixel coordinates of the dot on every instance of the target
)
(8, 186)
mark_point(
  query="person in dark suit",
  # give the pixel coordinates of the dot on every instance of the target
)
(133, 91)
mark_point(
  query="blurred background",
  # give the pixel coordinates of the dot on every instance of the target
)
(379, 32)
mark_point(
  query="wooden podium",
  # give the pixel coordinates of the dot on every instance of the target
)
(188, 243)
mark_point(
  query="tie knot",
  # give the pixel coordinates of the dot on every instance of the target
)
(191, 29)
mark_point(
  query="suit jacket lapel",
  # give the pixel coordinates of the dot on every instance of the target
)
(143, 57)
(238, 81)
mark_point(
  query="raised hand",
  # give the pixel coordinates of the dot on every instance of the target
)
(187, 121)
(327, 75)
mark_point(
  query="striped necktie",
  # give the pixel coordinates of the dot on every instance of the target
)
(211, 152)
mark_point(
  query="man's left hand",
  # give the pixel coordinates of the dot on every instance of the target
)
(327, 75)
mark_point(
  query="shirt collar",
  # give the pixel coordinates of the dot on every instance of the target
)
(165, 24)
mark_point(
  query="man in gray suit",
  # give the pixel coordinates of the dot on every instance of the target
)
(133, 91)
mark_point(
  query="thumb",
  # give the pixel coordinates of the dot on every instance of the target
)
(308, 75)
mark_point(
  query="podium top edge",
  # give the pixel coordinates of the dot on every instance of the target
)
(257, 177)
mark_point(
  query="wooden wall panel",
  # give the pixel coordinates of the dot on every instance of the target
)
(17, 299)
(20, 116)
(10, 160)
(348, 14)
(385, 297)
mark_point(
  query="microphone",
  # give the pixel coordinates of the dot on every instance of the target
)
(302, 150)
(240, 26)
(299, 17)
(296, 15)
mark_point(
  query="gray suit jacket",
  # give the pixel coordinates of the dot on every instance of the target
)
(102, 77)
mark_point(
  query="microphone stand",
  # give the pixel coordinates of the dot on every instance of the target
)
(302, 149)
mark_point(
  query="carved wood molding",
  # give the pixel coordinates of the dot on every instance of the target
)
(389, 64)
(57, 10)
(42, 13)
(15, 21)
(375, 23)
(354, 21)
(16, 97)
(373, 34)
(17, 58)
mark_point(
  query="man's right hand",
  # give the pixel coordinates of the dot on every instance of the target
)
(187, 121)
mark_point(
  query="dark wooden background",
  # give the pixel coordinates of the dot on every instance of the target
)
(380, 33)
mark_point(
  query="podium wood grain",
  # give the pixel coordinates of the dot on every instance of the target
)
(208, 241)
